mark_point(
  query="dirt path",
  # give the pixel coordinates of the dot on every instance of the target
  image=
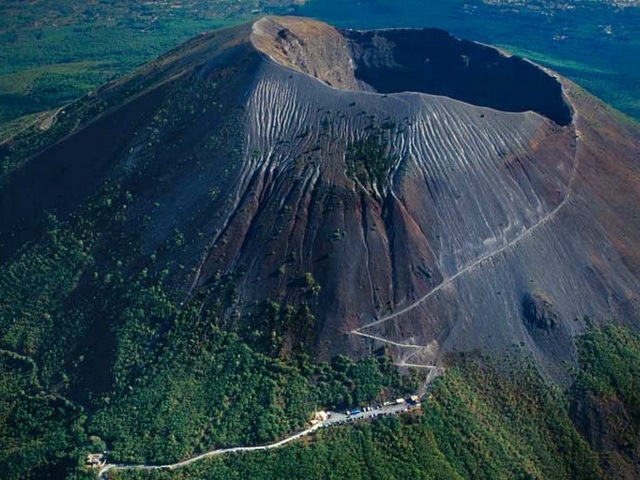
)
(336, 418)
(212, 453)
(488, 256)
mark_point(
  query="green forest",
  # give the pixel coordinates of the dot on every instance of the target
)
(136, 373)
(480, 420)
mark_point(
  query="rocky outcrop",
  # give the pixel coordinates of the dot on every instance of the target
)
(538, 312)
(308, 46)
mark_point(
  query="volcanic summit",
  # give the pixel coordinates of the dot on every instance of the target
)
(443, 195)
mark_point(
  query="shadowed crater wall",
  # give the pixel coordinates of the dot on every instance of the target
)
(432, 61)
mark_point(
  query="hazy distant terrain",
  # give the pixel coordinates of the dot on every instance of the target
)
(54, 51)
(57, 50)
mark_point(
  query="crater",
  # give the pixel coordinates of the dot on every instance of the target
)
(434, 62)
(426, 60)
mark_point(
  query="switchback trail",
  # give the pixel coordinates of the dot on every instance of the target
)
(390, 342)
(488, 256)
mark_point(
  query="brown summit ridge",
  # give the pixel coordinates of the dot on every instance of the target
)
(309, 46)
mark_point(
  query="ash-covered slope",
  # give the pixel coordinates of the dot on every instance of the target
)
(443, 196)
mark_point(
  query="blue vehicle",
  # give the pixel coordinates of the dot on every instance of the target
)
(355, 412)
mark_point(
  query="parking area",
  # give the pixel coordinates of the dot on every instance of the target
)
(369, 412)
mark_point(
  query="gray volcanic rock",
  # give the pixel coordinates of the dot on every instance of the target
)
(436, 215)
(311, 47)
(432, 61)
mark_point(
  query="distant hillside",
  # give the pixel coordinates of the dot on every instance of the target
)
(55, 51)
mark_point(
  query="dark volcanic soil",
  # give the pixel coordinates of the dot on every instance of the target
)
(432, 61)
(424, 220)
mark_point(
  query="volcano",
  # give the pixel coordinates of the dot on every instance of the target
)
(441, 195)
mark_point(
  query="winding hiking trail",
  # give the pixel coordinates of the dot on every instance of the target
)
(488, 256)
(212, 453)
(334, 419)
(390, 342)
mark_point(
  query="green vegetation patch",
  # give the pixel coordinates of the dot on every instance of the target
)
(610, 365)
(41, 435)
(606, 399)
(162, 381)
(370, 160)
(34, 287)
